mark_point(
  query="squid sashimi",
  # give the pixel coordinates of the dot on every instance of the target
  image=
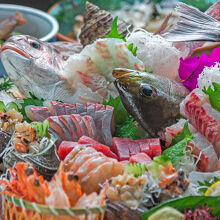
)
(201, 147)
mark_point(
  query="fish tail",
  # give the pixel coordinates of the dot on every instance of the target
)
(193, 25)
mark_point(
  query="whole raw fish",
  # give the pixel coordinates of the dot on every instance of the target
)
(194, 25)
(151, 99)
(55, 72)
(34, 65)
(9, 24)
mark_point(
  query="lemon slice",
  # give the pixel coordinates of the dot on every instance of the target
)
(213, 190)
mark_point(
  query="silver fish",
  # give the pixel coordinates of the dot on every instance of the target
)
(151, 99)
(34, 65)
(194, 25)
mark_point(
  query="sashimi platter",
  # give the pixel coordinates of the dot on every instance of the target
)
(122, 126)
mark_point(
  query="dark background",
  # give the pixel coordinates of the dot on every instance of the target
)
(40, 4)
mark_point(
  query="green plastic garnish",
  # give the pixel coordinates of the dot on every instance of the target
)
(133, 50)
(136, 169)
(3, 107)
(41, 128)
(114, 30)
(214, 95)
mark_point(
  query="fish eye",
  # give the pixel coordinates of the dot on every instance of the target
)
(35, 44)
(147, 90)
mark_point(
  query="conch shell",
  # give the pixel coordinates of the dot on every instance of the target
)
(97, 23)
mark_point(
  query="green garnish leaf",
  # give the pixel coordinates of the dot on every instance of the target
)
(133, 50)
(6, 84)
(188, 202)
(179, 144)
(214, 95)
(2, 41)
(41, 128)
(206, 184)
(13, 105)
(175, 152)
(136, 169)
(181, 135)
(124, 121)
(114, 30)
(127, 129)
(33, 100)
(3, 107)
(120, 113)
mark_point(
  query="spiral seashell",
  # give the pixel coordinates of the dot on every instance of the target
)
(97, 23)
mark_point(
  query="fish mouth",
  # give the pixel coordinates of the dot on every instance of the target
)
(10, 46)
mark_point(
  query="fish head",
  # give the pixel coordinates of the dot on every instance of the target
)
(30, 62)
(151, 99)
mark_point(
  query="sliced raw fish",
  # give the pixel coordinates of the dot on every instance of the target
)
(203, 117)
(91, 182)
(140, 158)
(57, 125)
(56, 108)
(65, 148)
(80, 125)
(35, 113)
(90, 125)
(201, 147)
(120, 149)
(67, 121)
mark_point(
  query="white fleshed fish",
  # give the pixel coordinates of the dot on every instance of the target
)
(53, 72)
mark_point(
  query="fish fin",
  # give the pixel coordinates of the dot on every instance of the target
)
(193, 25)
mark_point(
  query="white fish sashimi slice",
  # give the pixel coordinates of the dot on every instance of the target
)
(208, 159)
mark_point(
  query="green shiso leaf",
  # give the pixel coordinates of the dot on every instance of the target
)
(41, 128)
(124, 122)
(114, 30)
(120, 113)
(188, 202)
(135, 168)
(179, 144)
(6, 84)
(183, 134)
(206, 184)
(214, 95)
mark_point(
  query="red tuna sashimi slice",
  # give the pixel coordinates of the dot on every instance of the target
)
(155, 146)
(68, 122)
(65, 148)
(90, 124)
(140, 158)
(35, 113)
(56, 124)
(108, 126)
(56, 108)
(80, 125)
(97, 146)
(121, 149)
(203, 117)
